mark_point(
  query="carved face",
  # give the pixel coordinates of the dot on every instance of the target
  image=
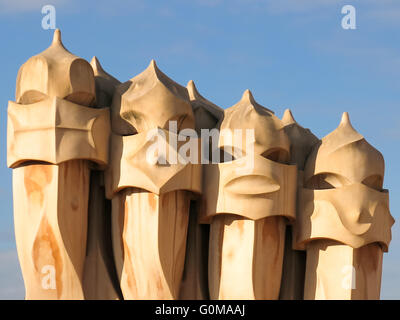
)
(148, 101)
(144, 167)
(257, 182)
(149, 112)
(342, 198)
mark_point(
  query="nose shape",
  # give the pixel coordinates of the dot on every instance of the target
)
(159, 159)
(358, 221)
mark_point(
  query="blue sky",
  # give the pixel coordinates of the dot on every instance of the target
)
(290, 53)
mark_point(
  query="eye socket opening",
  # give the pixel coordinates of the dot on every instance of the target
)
(129, 117)
(277, 155)
(323, 181)
(228, 154)
(32, 96)
(374, 181)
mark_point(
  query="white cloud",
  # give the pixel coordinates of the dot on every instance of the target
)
(12, 6)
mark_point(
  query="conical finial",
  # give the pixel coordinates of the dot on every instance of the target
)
(248, 96)
(193, 93)
(249, 103)
(77, 75)
(345, 121)
(153, 64)
(57, 37)
(191, 85)
(346, 125)
(97, 68)
(288, 117)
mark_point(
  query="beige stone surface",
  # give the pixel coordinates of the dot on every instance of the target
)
(100, 280)
(105, 84)
(150, 194)
(248, 207)
(206, 114)
(56, 130)
(56, 72)
(150, 242)
(340, 272)
(50, 217)
(111, 200)
(53, 138)
(195, 277)
(344, 221)
(343, 197)
(132, 166)
(149, 100)
(294, 263)
(246, 257)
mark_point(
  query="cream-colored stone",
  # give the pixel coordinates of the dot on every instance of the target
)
(55, 130)
(50, 218)
(195, 276)
(342, 198)
(150, 100)
(100, 280)
(269, 189)
(294, 263)
(132, 164)
(53, 137)
(56, 72)
(149, 242)
(246, 257)
(149, 188)
(206, 114)
(340, 272)
(105, 84)
(301, 140)
(281, 215)
(250, 196)
(343, 219)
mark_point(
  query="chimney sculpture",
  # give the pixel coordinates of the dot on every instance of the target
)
(195, 277)
(100, 280)
(247, 201)
(343, 219)
(151, 189)
(53, 136)
(294, 262)
(147, 190)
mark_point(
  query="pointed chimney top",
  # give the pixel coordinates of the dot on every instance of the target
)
(288, 117)
(95, 63)
(345, 121)
(193, 93)
(248, 96)
(153, 64)
(57, 37)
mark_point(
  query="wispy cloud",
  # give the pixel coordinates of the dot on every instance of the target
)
(105, 7)
(15, 6)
